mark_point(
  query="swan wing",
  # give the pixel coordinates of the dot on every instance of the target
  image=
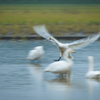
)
(43, 32)
(33, 53)
(84, 42)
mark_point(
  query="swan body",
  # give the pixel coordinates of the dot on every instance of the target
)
(42, 31)
(61, 67)
(91, 73)
(36, 53)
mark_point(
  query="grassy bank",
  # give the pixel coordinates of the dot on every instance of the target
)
(59, 19)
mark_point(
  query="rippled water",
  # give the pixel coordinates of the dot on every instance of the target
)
(23, 80)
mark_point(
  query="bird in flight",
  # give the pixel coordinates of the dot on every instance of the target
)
(62, 47)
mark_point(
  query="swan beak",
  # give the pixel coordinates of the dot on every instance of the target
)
(50, 38)
(72, 51)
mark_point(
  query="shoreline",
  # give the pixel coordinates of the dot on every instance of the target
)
(41, 38)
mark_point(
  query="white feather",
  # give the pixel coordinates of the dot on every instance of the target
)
(61, 67)
(91, 73)
(36, 53)
(84, 42)
(43, 32)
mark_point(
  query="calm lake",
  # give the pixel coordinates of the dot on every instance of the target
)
(21, 79)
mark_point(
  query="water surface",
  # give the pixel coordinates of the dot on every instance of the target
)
(21, 79)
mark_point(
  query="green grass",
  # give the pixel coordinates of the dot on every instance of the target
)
(59, 19)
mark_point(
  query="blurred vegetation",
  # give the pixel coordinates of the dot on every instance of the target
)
(49, 1)
(18, 20)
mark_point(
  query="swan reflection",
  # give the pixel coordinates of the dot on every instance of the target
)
(35, 71)
(92, 83)
(64, 83)
(59, 84)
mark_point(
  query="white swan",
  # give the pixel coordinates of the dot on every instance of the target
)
(61, 67)
(42, 31)
(91, 73)
(36, 53)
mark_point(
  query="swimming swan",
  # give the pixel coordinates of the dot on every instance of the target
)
(42, 31)
(36, 53)
(91, 73)
(61, 67)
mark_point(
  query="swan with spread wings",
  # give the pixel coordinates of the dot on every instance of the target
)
(43, 32)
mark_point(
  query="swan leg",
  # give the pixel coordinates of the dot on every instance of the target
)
(57, 76)
(36, 61)
(69, 74)
(60, 75)
(65, 75)
(58, 59)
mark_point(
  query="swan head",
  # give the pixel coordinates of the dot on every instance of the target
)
(68, 51)
(71, 51)
(38, 48)
(90, 58)
(50, 38)
(67, 54)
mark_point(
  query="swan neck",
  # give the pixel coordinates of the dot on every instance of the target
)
(69, 60)
(70, 56)
(55, 42)
(91, 64)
